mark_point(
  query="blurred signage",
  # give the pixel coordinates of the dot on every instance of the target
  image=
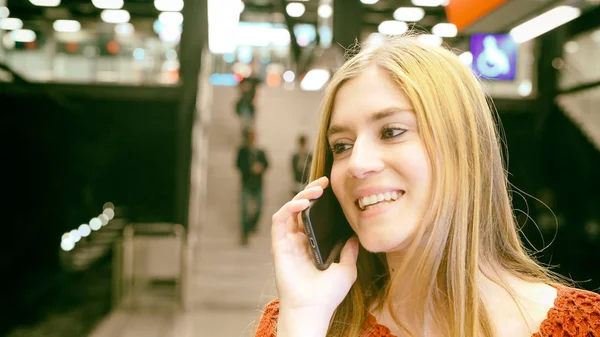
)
(227, 80)
(463, 13)
(305, 34)
(494, 56)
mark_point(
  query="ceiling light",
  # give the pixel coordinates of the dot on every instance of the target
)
(315, 80)
(67, 245)
(325, 11)
(11, 24)
(103, 219)
(279, 36)
(431, 40)
(289, 76)
(374, 40)
(466, 58)
(115, 16)
(110, 213)
(571, 47)
(95, 224)
(544, 23)
(261, 35)
(124, 29)
(428, 3)
(4, 12)
(557, 63)
(84, 230)
(444, 30)
(23, 35)
(409, 14)
(74, 235)
(170, 34)
(108, 4)
(525, 88)
(45, 3)
(223, 25)
(168, 5)
(391, 27)
(295, 9)
(66, 26)
(170, 18)
(369, 2)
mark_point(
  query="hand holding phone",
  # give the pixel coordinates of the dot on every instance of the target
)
(301, 286)
(327, 229)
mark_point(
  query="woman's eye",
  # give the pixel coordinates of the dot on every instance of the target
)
(388, 132)
(338, 148)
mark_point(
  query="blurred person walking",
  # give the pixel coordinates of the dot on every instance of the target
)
(245, 106)
(301, 162)
(252, 163)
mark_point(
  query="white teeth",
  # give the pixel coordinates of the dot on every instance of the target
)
(376, 198)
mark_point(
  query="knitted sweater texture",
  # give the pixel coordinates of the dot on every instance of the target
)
(576, 313)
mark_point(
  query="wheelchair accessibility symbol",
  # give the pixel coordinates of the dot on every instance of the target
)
(492, 62)
(494, 56)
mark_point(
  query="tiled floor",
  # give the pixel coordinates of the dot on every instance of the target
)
(230, 284)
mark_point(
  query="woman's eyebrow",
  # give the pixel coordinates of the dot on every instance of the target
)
(375, 116)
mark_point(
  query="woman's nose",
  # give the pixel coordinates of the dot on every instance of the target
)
(365, 159)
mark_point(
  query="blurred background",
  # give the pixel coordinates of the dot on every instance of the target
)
(121, 123)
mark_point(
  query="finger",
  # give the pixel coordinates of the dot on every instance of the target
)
(349, 254)
(313, 190)
(323, 182)
(300, 223)
(296, 245)
(303, 242)
(309, 193)
(280, 228)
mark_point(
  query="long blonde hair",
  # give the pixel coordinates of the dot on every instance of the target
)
(470, 222)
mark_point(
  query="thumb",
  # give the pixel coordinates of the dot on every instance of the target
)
(349, 253)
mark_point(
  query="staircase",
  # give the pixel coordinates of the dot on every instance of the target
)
(582, 108)
(231, 282)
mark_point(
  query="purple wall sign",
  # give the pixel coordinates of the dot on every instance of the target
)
(494, 56)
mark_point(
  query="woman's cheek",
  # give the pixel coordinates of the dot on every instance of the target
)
(336, 182)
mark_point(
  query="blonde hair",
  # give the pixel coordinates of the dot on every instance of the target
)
(470, 222)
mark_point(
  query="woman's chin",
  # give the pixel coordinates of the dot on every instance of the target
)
(376, 244)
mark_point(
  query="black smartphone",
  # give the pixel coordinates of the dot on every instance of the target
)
(327, 229)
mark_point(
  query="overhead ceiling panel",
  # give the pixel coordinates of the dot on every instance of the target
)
(496, 15)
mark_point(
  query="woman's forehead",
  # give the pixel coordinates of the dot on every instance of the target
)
(371, 92)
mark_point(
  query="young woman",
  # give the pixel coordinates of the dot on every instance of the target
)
(409, 147)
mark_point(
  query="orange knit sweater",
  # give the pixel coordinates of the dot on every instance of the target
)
(576, 313)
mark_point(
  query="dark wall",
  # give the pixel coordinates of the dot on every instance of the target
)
(555, 163)
(572, 173)
(128, 148)
(65, 152)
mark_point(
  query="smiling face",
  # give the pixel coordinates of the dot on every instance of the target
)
(381, 173)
